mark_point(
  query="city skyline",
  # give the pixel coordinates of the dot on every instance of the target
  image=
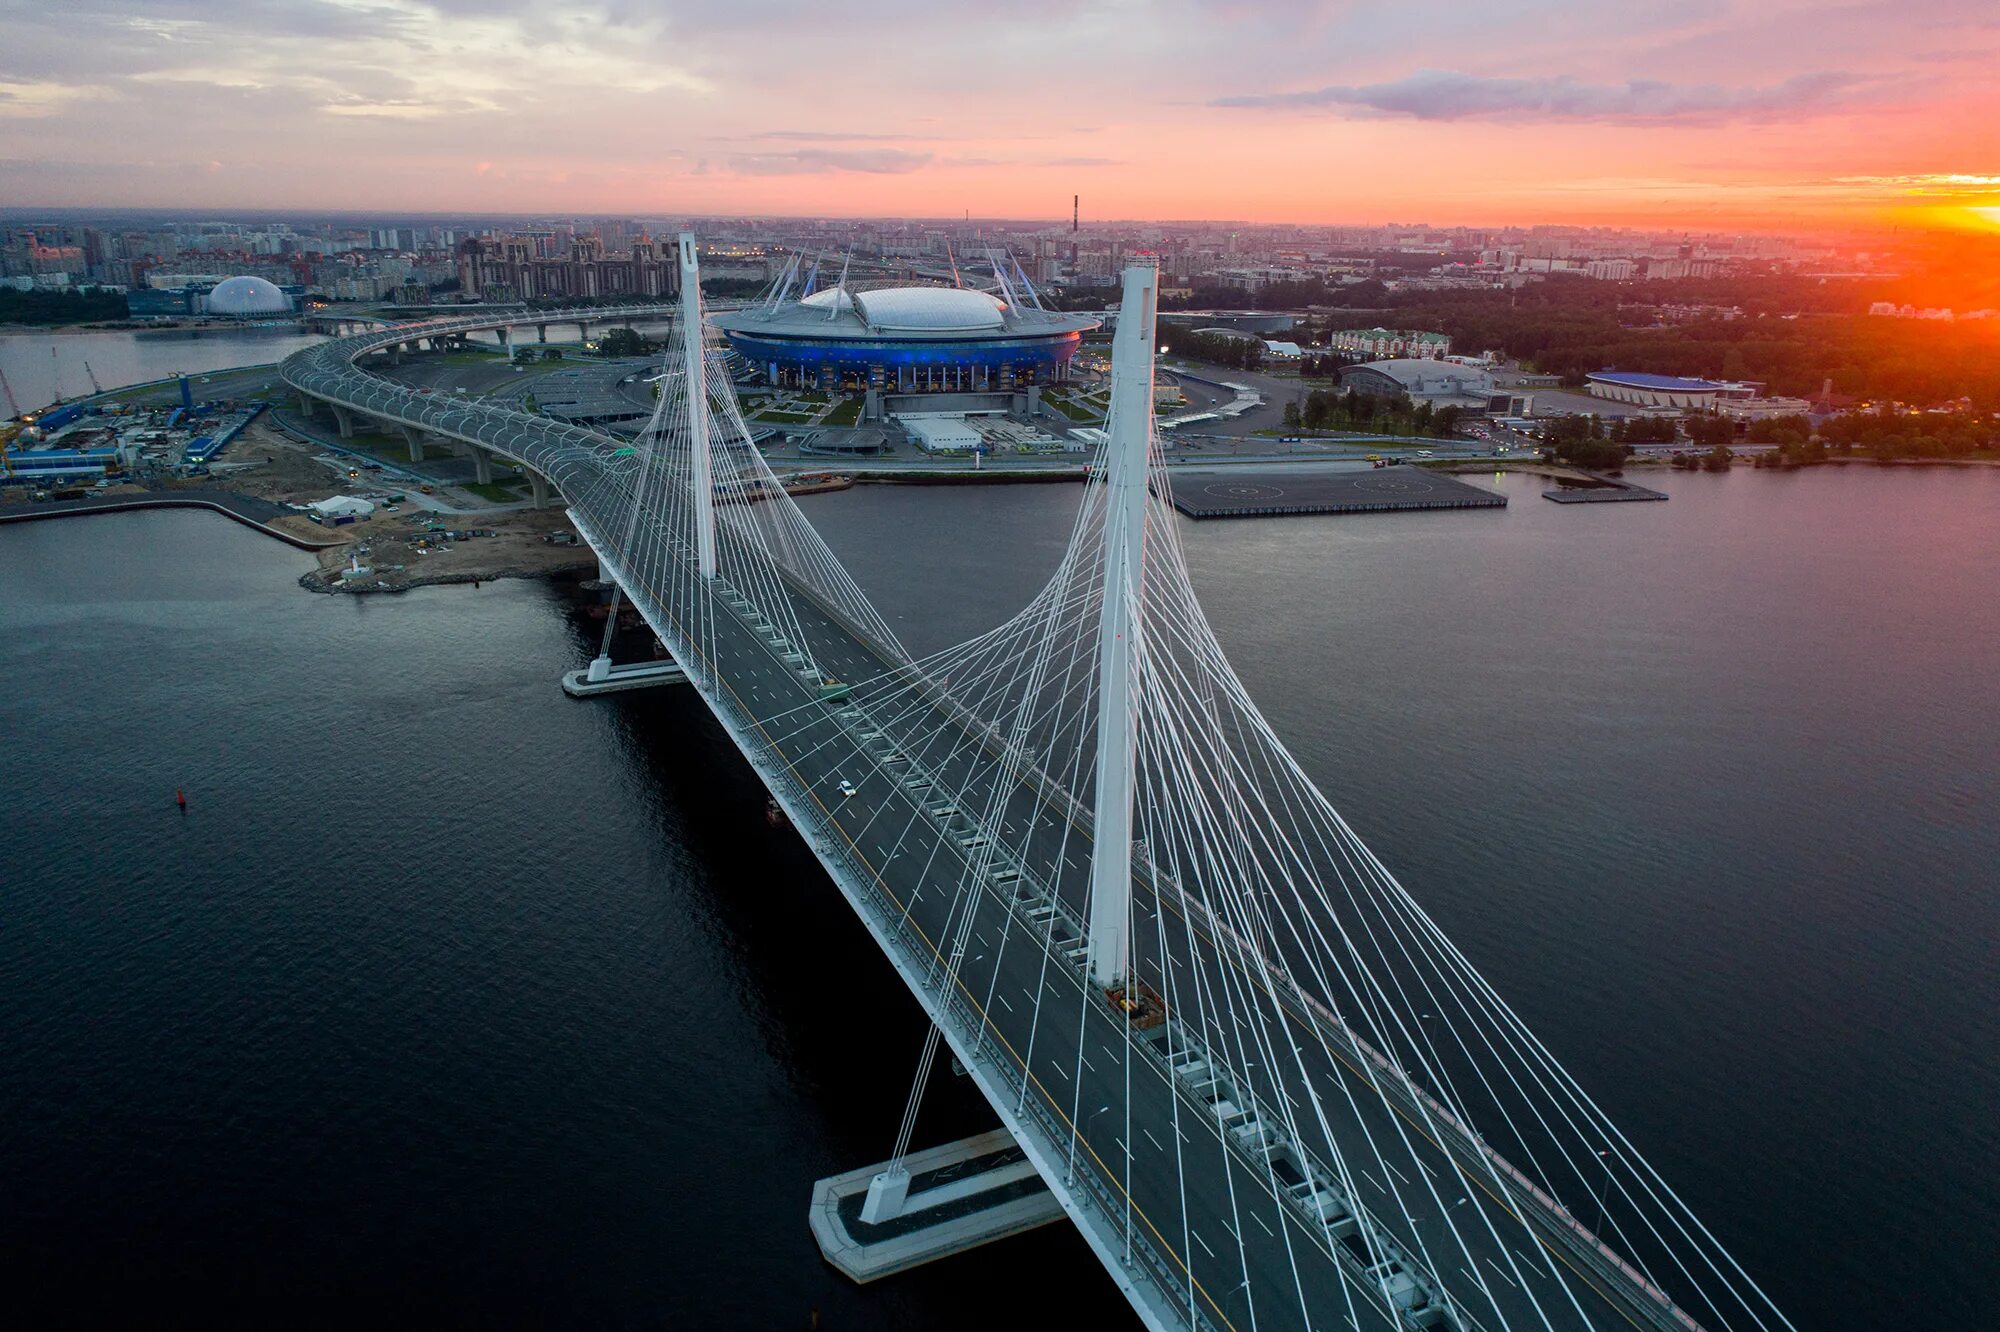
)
(1730, 116)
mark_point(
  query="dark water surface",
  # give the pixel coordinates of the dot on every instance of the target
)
(452, 1001)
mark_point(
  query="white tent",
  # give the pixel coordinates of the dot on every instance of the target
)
(342, 506)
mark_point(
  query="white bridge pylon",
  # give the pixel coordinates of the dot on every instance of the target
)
(1120, 624)
(701, 463)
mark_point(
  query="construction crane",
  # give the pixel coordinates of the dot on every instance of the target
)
(90, 374)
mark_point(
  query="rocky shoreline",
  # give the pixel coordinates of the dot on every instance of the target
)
(329, 580)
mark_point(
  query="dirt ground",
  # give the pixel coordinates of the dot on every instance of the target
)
(286, 473)
(516, 550)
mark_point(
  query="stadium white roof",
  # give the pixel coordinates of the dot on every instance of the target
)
(930, 309)
(921, 313)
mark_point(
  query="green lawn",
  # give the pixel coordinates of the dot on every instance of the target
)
(1073, 410)
(846, 414)
(498, 492)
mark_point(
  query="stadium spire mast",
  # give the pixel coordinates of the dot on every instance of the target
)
(1126, 458)
(697, 409)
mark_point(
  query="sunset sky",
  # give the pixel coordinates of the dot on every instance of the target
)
(1754, 113)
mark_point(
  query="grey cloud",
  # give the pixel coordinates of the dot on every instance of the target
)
(1434, 94)
(810, 161)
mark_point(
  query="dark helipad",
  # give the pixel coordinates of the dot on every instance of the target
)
(1262, 493)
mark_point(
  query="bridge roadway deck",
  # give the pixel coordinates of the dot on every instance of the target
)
(1234, 1226)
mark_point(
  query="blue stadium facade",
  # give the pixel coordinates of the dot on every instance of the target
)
(906, 340)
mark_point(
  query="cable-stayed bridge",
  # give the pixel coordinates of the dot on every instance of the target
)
(1266, 1088)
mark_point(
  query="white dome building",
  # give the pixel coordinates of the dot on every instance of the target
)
(244, 296)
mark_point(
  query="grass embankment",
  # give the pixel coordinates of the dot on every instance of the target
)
(1081, 411)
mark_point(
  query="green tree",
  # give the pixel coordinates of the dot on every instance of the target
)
(623, 342)
(1710, 431)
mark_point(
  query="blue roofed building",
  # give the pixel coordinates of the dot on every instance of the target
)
(1665, 390)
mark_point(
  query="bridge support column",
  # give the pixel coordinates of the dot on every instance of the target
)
(541, 332)
(305, 404)
(695, 378)
(482, 466)
(415, 438)
(1120, 625)
(538, 485)
(887, 1192)
(345, 420)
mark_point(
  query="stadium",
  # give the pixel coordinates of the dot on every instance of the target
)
(906, 339)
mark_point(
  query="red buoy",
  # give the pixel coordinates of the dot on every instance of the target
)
(180, 798)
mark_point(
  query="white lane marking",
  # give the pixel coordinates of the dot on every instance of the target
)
(1376, 1182)
(1397, 1173)
(1204, 1243)
(1155, 1141)
(1260, 1222)
(1503, 1276)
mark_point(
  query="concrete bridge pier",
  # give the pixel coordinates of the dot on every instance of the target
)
(880, 1220)
(415, 437)
(538, 486)
(541, 332)
(344, 418)
(482, 466)
(305, 404)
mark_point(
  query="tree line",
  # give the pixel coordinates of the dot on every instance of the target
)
(1571, 326)
(1370, 413)
(70, 305)
(1237, 353)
